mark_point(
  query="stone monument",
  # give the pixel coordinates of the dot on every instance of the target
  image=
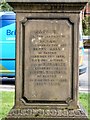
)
(47, 48)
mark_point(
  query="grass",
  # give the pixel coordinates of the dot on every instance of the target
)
(85, 100)
(7, 102)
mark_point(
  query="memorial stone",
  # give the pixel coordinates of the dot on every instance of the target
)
(47, 60)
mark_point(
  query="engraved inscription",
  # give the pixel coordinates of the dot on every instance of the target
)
(48, 59)
(45, 62)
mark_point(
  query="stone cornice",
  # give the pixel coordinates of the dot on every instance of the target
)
(46, 7)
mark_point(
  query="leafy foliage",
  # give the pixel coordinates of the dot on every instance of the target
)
(86, 25)
(4, 6)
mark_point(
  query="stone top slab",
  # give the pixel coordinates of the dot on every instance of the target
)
(60, 1)
(47, 5)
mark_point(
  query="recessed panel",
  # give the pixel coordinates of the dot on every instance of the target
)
(48, 60)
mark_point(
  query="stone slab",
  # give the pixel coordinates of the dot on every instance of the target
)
(47, 64)
(47, 5)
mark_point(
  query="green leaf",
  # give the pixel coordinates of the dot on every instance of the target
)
(4, 6)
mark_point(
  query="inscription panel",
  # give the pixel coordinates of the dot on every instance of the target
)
(48, 60)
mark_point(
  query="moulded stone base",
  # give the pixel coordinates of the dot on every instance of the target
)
(46, 114)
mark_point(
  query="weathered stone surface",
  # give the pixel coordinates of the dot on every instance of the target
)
(47, 61)
(46, 67)
(34, 5)
(47, 64)
(46, 114)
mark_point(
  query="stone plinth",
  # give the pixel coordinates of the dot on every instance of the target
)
(47, 60)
